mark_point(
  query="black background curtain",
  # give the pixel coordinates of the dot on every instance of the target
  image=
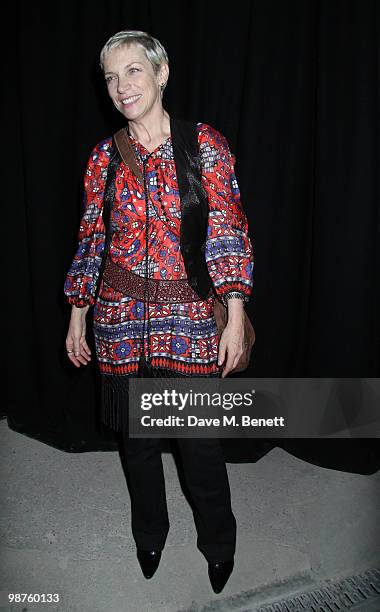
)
(294, 86)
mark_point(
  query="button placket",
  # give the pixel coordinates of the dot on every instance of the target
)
(160, 193)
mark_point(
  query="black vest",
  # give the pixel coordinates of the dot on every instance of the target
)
(194, 204)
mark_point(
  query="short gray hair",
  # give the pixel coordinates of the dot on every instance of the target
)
(154, 50)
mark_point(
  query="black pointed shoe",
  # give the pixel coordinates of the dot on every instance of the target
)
(149, 561)
(219, 572)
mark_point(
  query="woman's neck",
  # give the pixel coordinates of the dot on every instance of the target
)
(152, 130)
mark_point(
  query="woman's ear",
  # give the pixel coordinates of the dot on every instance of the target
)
(164, 73)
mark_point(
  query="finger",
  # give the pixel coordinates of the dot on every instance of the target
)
(228, 366)
(76, 347)
(221, 353)
(86, 347)
(73, 360)
(233, 357)
(81, 360)
(79, 355)
(69, 345)
(226, 371)
(236, 360)
(86, 353)
(86, 357)
(83, 351)
(70, 352)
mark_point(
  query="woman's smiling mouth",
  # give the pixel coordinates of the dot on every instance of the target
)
(130, 100)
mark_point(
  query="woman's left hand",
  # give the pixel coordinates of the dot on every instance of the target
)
(231, 345)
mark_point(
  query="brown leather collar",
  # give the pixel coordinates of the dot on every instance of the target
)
(127, 153)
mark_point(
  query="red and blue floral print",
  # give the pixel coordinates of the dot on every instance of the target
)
(183, 337)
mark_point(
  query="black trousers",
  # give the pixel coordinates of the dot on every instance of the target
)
(207, 481)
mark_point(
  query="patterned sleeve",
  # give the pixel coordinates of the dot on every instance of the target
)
(80, 282)
(229, 253)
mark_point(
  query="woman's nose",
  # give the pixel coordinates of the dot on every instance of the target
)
(122, 85)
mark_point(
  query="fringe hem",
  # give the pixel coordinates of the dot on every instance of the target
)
(114, 411)
(114, 401)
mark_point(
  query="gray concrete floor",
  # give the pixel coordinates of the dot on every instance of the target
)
(65, 529)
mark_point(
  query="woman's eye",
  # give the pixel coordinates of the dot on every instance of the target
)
(109, 78)
(134, 70)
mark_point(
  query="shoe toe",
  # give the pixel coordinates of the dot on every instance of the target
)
(219, 572)
(149, 561)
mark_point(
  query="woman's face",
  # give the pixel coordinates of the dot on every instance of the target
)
(132, 85)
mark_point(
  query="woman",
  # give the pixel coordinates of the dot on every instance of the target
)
(176, 338)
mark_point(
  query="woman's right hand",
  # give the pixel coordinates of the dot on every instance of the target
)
(76, 345)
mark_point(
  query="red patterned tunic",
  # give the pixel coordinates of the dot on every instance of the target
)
(183, 337)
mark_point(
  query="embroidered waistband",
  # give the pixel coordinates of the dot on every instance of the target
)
(137, 287)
